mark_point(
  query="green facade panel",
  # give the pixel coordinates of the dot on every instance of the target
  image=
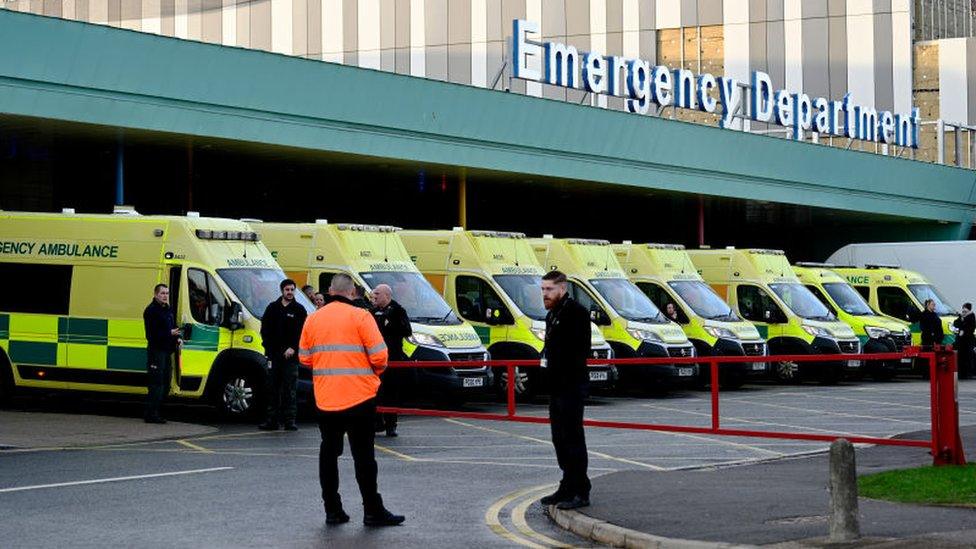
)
(142, 81)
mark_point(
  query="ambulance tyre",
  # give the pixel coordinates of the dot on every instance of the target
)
(526, 379)
(6, 380)
(787, 372)
(237, 389)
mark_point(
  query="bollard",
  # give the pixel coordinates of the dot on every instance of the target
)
(843, 519)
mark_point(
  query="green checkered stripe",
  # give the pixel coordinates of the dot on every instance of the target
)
(92, 331)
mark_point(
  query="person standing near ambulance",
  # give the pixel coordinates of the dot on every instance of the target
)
(344, 348)
(281, 327)
(566, 350)
(162, 340)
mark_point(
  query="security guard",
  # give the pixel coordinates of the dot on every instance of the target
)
(162, 338)
(394, 324)
(346, 352)
(566, 349)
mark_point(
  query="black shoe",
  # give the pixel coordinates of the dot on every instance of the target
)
(268, 426)
(554, 498)
(378, 515)
(336, 517)
(575, 503)
(290, 426)
(391, 432)
(157, 420)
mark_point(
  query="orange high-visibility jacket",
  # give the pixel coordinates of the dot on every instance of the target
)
(345, 349)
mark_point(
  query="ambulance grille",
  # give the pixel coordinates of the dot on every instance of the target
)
(848, 347)
(754, 349)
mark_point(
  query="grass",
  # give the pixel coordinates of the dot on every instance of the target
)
(947, 485)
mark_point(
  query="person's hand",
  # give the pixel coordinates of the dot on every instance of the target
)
(174, 332)
(179, 342)
(289, 352)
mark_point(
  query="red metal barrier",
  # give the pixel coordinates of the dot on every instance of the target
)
(945, 444)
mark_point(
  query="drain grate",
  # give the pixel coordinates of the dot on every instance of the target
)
(812, 519)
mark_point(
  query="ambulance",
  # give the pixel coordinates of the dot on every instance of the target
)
(75, 287)
(632, 325)
(878, 333)
(312, 253)
(763, 289)
(665, 273)
(493, 280)
(900, 294)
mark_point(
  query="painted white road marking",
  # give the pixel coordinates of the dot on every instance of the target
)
(115, 479)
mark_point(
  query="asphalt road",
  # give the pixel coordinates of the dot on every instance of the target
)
(458, 481)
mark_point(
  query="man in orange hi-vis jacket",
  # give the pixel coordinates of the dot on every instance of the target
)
(343, 345)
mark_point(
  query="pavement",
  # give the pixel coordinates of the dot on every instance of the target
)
(35, 430)
(783, 502)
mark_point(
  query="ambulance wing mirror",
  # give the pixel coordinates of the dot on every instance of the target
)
(599, 317)
(773, 316)
(498, 316)
(235, 316)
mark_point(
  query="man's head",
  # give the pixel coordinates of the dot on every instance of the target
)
(287, 289)
(161, 294)
(967, 307)
(309, 292)
(930, 305)
(553, 288)
(382, 296)
(343, 286)
(319, 300)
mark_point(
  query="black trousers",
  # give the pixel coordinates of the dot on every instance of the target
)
(390, 394)
(964, 345)
(159, 368)
(282, 388)
(357, 422)
(566, 422)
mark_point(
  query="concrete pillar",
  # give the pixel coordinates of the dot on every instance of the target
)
(843, 519)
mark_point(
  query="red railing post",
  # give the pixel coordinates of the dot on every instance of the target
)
(713, 366)
(946, 440)
(511, 389)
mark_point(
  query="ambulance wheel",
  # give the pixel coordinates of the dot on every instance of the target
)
(787, 372)
(237, 395)
(523, 385)
(6, 381)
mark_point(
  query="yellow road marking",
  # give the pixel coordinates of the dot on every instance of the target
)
(404, 457)
(549, 443)
(196, 447)
(495, 524)
(518, 519)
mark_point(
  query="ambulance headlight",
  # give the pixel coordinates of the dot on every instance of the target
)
(719, 332)
(643, 335)
(817, 331)
(874, 332)
(539, 333)
(425, 339)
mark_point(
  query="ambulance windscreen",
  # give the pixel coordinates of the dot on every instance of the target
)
(412, 291)
(628, 300)
(526, 292)
(928, 291)
(256, 288)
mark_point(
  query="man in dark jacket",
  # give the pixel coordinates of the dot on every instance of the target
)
(566, 350)
(394, 324)
(930, 325)
(162, 340)
(281, 329)
(965, 326)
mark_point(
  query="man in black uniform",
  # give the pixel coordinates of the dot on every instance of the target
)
(162, 338)
(394, 324)
(965, 327)
(930, 326)
(566, 350)
(281, 329)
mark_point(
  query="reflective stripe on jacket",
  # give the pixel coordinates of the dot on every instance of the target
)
(346, 352)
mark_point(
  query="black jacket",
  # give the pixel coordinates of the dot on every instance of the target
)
(931, 327)
(394, 324)
(281, 328)
(966, 325)
(159, 321)
(567, 347)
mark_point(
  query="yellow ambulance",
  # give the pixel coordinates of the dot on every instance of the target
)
(312, 253)
(75, 286)
(900, 294)
(878, 333)
(665, 273)
(763, 289)
(493, 280)
(632, 325)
